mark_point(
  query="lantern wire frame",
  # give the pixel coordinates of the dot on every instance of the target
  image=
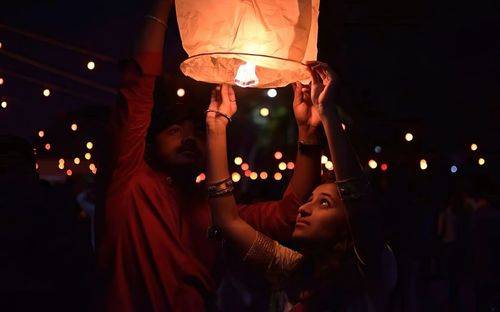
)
(222, 67)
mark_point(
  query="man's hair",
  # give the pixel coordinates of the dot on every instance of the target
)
(169, 109)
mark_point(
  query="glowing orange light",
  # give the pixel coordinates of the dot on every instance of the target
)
(290, 165)
(92, 167)
(247, 173)
(423, 164)
(324, 159)
(278, 155)
(473, 147)
(74, 127)
(264, 111)
(90, 65)
(200, 177)
(181, 92)
(47, 146)
(238, 161)
(1, 81)
(263, 175)
(41, 133)
(329, 165)
(254, 175)
(76, 161)
(88, 156)
(235, 176)
(61, 160)
(383, 167)
(278, 176)
(244, 166)
(282, 166)
(61, 165)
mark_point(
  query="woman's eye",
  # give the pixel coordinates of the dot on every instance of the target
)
(324, 203)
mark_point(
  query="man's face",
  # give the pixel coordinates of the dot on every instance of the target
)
(181, 145)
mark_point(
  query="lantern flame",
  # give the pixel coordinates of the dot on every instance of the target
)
(246, 77)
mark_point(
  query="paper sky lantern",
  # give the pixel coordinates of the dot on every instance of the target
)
(258, 43)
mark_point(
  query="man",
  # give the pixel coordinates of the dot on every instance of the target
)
(153, 250)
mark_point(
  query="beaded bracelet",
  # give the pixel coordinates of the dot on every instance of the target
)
(220, 188)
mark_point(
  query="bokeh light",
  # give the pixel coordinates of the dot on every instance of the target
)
(264, 111)
(238, 161)
(423, 164)
(272, 93)
(235, 176)
(90, 65)
(282, 166)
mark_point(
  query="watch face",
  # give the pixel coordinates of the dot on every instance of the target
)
(214, 233)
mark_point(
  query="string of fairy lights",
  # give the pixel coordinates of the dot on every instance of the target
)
(84, 163)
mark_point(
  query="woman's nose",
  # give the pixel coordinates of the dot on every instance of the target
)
(305, 209)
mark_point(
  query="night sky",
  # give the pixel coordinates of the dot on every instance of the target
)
(430, 67)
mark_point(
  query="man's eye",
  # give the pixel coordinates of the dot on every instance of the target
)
(174, 129)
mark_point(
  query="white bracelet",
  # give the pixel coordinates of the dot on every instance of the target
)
(156, 19)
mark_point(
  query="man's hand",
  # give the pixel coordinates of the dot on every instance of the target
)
(222, 106)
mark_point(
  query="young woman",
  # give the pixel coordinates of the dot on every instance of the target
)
(343, 263)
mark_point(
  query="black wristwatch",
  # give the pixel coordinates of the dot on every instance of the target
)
(306, 148)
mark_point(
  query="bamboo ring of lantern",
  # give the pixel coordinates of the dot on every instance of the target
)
(249, 43)
(241, 69)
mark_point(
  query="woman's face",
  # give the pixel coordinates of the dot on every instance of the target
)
(322, 218)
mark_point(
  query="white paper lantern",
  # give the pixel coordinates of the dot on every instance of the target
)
(259, 43)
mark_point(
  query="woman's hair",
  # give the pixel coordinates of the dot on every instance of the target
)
(337, 279)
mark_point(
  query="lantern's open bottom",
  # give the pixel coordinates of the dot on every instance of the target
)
(222, 67)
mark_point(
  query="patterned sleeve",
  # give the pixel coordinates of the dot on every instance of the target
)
(276, 260)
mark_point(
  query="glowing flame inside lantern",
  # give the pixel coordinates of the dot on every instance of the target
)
(246, 77)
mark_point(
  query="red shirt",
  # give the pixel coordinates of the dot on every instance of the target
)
(153, 252)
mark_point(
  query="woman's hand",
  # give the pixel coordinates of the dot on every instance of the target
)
(322, 86)
(222, 106)
(306, 114)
